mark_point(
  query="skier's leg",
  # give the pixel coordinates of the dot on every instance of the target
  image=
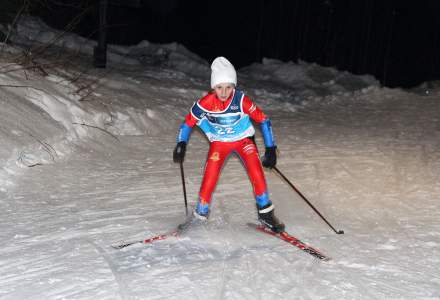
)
(248, 152)
(249, 155)
(216, 157)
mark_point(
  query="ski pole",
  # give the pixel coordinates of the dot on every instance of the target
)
(184, 187)
(307, 201)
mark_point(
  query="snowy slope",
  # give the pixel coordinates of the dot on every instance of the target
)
(86, 163)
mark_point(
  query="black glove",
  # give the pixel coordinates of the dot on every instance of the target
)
(270, 157)
(179, 152)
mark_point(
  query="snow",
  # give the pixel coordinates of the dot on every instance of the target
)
(86, 162)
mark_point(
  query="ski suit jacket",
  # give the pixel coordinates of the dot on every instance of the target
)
(226, 121)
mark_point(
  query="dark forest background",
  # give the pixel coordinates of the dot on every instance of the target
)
(396, 41)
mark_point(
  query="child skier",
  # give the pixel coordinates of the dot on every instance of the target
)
(225, 115)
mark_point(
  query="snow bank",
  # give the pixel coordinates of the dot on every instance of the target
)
(172, 55)
(43, 116)
(38, 120)
(32, 31)
(308, 79)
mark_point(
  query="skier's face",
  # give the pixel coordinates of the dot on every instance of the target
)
(224, 90)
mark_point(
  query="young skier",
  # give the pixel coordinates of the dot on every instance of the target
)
(225, 115)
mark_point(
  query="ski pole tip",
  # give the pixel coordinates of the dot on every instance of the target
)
(340, 232)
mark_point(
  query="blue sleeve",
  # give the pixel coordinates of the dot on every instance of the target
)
(266, 130)
(184, 133)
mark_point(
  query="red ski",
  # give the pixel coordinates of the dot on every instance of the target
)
(179, 230)
(149, 240)
(292, 240)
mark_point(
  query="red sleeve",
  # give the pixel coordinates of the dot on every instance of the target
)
(190, 120)
(253, 110)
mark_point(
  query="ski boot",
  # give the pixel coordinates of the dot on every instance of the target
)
(201, 211)
(267, 217)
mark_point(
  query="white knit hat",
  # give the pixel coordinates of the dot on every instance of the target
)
(222, 72)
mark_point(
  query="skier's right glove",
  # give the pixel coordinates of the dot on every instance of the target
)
(270, 157)
(179, 152)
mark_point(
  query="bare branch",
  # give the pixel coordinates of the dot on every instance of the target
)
(92, 126)
(48, 148)
(17, 17)
(23, 86)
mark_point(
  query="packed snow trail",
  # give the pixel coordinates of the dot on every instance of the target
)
(380, 186)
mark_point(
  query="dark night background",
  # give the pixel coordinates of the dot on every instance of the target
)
(396, 41)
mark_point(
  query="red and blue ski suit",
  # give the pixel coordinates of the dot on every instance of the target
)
(228, 126)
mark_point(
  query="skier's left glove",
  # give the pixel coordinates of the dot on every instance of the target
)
(179, 152)
(270, 157)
